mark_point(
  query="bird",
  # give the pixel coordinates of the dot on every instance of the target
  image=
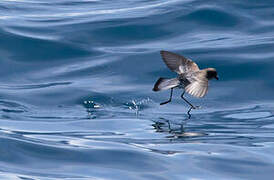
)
(190, 77)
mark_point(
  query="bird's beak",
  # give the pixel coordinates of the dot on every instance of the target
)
(216, 77)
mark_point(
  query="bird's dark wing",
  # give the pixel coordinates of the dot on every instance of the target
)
(178, 63)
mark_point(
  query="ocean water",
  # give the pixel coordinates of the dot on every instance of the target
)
(76, 99)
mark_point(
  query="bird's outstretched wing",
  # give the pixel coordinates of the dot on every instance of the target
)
(198, 85)
(178, 63)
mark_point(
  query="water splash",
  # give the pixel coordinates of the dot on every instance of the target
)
(91, 108)
(138, 105)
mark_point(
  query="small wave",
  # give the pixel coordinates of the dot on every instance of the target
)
(103, 11)
(31, 33)
(34, 86)
(249, 115)
(212, 16)
(8, 107)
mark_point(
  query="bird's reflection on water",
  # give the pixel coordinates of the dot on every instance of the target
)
(174, 130)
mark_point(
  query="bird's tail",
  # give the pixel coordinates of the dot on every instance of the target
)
(164, 84)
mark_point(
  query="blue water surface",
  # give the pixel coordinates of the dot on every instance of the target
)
(76, 99)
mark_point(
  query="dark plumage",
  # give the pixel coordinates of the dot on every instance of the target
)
(190, 77)
(193, 80)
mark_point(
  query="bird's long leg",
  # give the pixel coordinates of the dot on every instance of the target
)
(171, 91)
(182, 96)
(192, 107)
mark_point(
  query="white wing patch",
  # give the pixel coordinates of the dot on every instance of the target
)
(198, 86)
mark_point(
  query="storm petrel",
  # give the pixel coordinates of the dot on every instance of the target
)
(190, 78)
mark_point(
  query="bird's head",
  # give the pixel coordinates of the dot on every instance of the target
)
(211, 73)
